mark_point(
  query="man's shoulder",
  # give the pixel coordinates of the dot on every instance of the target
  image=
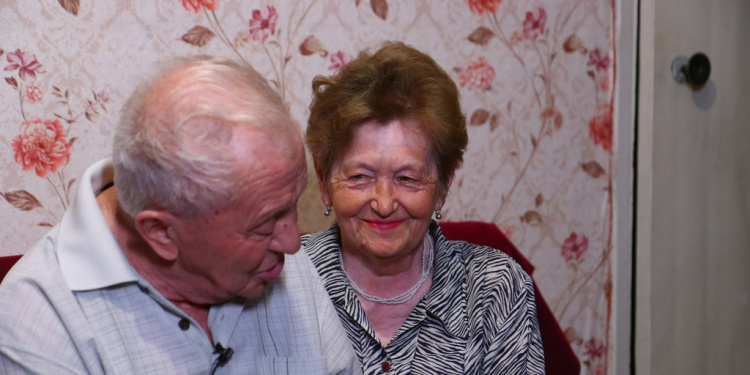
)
(35, 299)
(300, 277)
(298, 262)
(35, 282)
(301, 287)
(37, 268)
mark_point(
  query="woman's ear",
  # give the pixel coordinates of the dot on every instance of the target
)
(443, 194)
(157, 229)
(322, 185)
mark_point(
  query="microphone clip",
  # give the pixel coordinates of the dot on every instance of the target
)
(225, 354)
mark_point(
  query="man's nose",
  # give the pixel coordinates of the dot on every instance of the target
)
(286, 235)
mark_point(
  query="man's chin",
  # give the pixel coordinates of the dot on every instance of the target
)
(255, 290)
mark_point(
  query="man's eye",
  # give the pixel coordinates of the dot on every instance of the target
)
(262, 231)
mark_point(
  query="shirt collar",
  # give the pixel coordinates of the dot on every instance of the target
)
(324, 249)
(447, 298)
(89, 256)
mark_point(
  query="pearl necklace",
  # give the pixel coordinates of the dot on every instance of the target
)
(427, 257)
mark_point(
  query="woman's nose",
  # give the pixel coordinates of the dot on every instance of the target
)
(384, 202)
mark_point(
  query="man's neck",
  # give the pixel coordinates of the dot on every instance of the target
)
(160, 273)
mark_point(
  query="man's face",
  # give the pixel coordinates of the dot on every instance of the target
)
(240, 249)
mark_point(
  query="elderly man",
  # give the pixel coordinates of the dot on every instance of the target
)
(165, 262)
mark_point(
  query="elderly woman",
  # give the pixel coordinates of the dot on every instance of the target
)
(387, 134)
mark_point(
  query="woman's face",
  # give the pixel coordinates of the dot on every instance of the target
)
(384, 190)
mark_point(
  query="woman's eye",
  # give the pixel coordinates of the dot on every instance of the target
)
(358, 177)
(405, 179)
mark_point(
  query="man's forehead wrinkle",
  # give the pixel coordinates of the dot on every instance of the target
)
(266, 164)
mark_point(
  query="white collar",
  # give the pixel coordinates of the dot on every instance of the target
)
(89, 256)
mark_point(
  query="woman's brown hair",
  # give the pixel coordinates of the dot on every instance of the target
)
(397, 82)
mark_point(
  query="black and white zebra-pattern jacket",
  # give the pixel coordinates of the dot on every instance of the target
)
(479, 316)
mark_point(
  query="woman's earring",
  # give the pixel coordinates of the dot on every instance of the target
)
(328, 210)
(438, 215)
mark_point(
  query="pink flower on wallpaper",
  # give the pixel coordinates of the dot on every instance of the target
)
(599, 60)
(600, 127)
(26, 64)
(42, 145)
(198, 5)
(34, 93)
(103, 96)
(595, 348)
(574, 247)
(477, 74)
(263, 23)
(481, 6)
(534, 23)
(339, 59)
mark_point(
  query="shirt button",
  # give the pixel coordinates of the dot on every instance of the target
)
(184, 324)
(386, 366)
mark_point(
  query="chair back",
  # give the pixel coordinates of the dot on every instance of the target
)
(559, 358)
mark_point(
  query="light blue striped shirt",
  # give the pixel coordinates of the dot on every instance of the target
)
(74, 305)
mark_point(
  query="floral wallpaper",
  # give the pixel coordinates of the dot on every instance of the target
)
(536, 80)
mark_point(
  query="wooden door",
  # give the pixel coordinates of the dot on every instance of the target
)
(692, 274)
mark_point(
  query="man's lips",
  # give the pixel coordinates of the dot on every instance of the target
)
(273, 272)
(382, 224)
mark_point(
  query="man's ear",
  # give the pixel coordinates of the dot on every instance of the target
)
(157, 229)
(322, 185)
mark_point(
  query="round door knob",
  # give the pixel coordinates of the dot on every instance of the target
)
(698, 69)
(694, 71)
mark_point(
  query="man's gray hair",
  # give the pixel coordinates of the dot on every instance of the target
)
(172, 144)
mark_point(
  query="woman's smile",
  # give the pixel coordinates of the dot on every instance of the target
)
(383, 224)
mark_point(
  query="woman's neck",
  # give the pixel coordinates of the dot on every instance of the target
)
(384, 277)
(389, 291)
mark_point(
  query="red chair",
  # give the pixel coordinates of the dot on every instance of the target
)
(6, 263)
(559, 358)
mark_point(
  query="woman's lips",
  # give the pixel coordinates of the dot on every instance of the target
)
(273, 272)
(383, 225)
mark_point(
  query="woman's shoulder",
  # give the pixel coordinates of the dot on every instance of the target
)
(484, 262)
(317, 240)
(322, 248)
(305, 238)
